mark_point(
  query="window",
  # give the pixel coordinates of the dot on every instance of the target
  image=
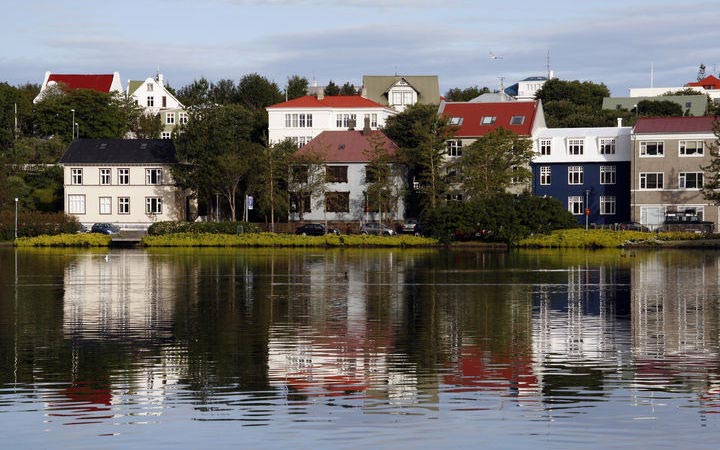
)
(607, 205)
(455, 197)
(651, 180)
(337, 174)
(164, 101)
(337, 202)
(690, 180)
(165, 135)
(608, 175)
(149, 87)
(299, 141)
(170, 118)
(607, 146)
(487, 120)
(123, 176)
(76, 204)
(300, 120)
(123, 205)
(104, 176)
(576, 205)
(576, 146)
(407, 98)
(515, 179)
(652, 148)
(545, 175)
(692, 148)
(153, 176)
(300, 200)
(183, 117)
(151, 101)
(153, 205)
(545, 145)
(456, 121)
(76, 176)
(517, 120)
(575, 175)
(105, 205)
(344, 120)
(454, 147)
(373, 120)
(397, 98)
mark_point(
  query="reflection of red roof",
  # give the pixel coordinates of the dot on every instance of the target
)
(101, 83)
(472, 115)
(479, 369)
(334, 101)
(347, 146)
(709, 82)
(702, 124)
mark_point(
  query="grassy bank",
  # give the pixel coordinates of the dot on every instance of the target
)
(579, 238)
(283, 240)
(65, 240)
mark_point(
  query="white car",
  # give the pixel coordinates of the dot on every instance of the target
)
(377, 229)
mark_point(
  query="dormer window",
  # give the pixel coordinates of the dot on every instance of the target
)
(517, 120)
(149, 87)
(456, 121)
(487, 120)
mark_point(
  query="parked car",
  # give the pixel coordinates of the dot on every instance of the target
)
(105, 228)
(315, 229)
(412, 226)
(633, 226)
(377, 229)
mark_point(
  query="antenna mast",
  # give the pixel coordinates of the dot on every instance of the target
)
(547, 64)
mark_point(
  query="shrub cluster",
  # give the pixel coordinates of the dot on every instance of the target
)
(34, 223)
(174, 227)
(580, 238)
(283, 240)
(65, 240)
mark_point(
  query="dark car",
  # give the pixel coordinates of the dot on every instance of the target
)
(315, 229)
(105, 228)
(412, 226)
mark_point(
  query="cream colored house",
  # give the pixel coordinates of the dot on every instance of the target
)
(122, 181)
(155, 98)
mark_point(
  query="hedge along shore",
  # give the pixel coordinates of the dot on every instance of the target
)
(580, 238)
(65, 240)
(284, 240)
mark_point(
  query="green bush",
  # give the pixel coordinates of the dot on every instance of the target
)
(163, 228)
(34, 223)
(283, 240)
(580, 238)
(65, 240)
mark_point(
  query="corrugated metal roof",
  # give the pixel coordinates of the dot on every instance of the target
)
(656, 125)
(120, 151)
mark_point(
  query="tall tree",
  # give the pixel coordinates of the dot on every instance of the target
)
(232, 172)
(577, 104)
(297, 86)
(348, 89)
(332, 88)
(223, 92)
(195, 93)
(148, 126)
(255, 92)
(492, 163)
(272, 180)
(306, 180)
(711, 184)
(465, 95)
(380, 178)
(655, 108)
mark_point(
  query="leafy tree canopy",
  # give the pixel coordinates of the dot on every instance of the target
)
(465, 95)
(584, 93)
(297, 86)
(255, 92)
(658, 108)
(332, 88)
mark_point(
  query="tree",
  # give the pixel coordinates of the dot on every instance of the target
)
(272, 178)
(232, 170)
(701, 72)
(492, 163)
(575, 104)
(332, 88)
(195, 93)
(148, 126)
(711, 185)
(223, 92)
(297, 86)
(306, 180)
(465, 95)
(9, 98)
(380, 178)
(655, 108)
(577, 92)
(348, 89)
(255, 92)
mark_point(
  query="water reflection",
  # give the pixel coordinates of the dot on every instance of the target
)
(262, 337)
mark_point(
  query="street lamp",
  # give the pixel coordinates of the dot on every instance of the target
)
(73, 124)
(77, 126)
(587, 209)
(16, 223)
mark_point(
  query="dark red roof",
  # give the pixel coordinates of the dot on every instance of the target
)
(335, 101)
(347, 146)
(472, 115)
(101, 83)
(702, 124)
(709, 82)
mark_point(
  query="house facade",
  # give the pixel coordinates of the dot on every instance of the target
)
(526, 89)
(304, 118)
(152, 95)
(127, 182)
(344, 198)
(400, 91)
(586, 169)
(668, 156)
(96, 82)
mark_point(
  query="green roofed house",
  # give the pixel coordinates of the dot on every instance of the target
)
(692, 105)
(401, 91)
(152, 95)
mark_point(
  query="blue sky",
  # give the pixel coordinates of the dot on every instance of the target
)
(610, 41)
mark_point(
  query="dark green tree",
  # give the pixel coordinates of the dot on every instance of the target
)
(297, 86)
(223, 92)
(148, 126)
(255, 92)
(332, 88)
(307, 176)
(658, 108)
(381, 177)
(711, 185)
(195, 93)
(575, 104)
(348, 89)
(271, 181)
(465, 95)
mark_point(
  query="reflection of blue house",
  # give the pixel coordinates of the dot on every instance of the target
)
(587, 169)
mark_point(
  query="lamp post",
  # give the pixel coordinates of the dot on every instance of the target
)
(73, 124)
(77, 127)
(587, 209)
(16, 222)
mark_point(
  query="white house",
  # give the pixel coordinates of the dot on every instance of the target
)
(152, 95)
(97, 82)
(400, 91)
(526, 89)
(122, 181)
(303, 118)
(346, 155)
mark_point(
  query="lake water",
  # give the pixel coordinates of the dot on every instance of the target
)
(395, 349)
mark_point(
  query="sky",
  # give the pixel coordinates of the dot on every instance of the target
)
(624, 44)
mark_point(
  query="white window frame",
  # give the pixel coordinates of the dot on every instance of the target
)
(170, 118)
(123, 205)
(153, 176)
(454, 148)
(576, 175)
(608, 174)
(606, 146)
(608, 205)
(659, 149)
(76, 203)
(517, 120)
(153, 205)
(698, 151)
(576, 205)
(76, 176)
(545, 146)
(575, 146)
(182, 117)
(683, 180)
(166, 135)
(151, 100)
(659, 181)
(105, 176)
(105, 205)
(123, 175)
(545, 175)
(488, 120)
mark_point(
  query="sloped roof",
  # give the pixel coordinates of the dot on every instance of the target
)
(100, 83)
(375, 87)
(698, 103)
(134, 85)
(347, 146)
(657, 125)
(120, 151)
(710, 81)
(473, 113)
(333, 101)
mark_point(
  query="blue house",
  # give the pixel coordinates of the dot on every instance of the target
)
(587, 169)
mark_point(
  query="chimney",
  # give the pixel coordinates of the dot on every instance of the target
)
(351, 125)
(320, 93)
(619, 122)
(366, 127)
(161, 79)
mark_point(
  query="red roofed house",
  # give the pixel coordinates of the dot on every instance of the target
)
(303, 118)
(475, 120)
(346, 154)
(101, 83)
(667, 157)
(710, 82)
